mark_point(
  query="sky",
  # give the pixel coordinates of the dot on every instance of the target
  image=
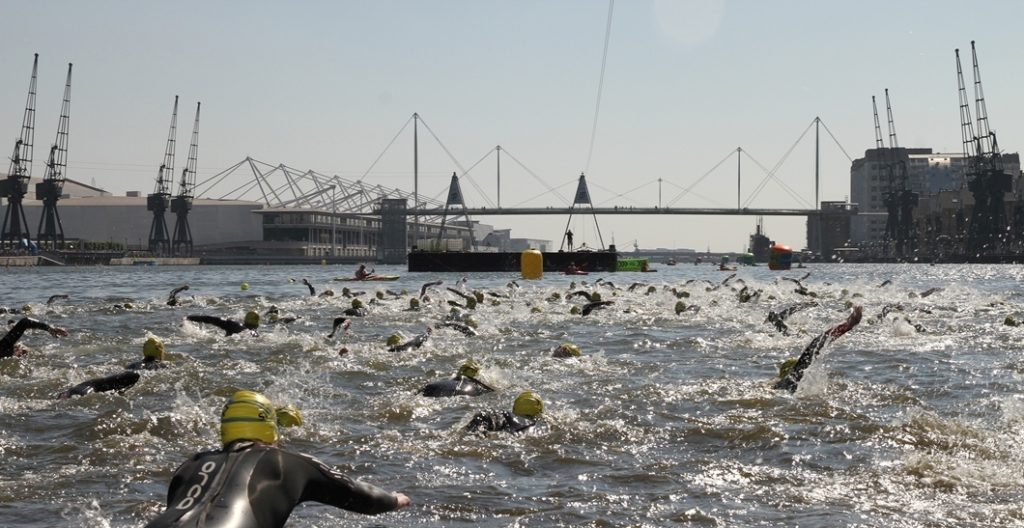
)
(327, 85)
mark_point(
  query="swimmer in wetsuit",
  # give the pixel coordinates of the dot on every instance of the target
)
(251, 323)
(252, 482)
(153, 356)
(792, 370)
(9, 343)
(119, 382)
(463, 384)
(525, 414)
(172, 299)
(357, 309)
(566, 350)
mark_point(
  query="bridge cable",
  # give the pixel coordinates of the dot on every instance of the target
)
(701, 196)
(771, 174)
(455, 161)
(538, 178)
(603, 188)
(388, 147)
(677, 197)
(600, 83)
(566, 184)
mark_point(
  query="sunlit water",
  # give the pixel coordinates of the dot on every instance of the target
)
(665, 420)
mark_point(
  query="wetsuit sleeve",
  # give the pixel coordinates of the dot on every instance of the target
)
(329, 486)
(228, 326)
(12, 337)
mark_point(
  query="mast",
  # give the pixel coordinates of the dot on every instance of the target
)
(182, 203)
(159, 200)
(15, 186)
(51, 229)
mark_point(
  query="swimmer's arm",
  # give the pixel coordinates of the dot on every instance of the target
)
(231, 327)
(329, 486)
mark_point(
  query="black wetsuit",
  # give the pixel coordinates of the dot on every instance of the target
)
(355, 312)
(227, 325)
(792, 380)
(457, 386)
(172, 300)
(415, 342)
(115, 382)
(146, 364)
(504, 421)
(256, 485)
(14, 334)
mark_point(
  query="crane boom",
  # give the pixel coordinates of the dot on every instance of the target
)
(51, 229)
(893, 142)
(879, 144)
(966, 124)
(14, 187)
(165, 176)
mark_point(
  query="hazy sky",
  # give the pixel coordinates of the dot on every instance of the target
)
(327, 85)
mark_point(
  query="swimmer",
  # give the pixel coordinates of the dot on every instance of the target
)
(339, 322)
(119, 382)
(55, 298)
(591, 306)
(425, 287)
(526, 412)
(464, 328)
(326, 293)
(779, 318)
(274, 316)
(747, 294)
(471, 300)
(464, 383)
(172, 299)
(566, 350)
(251, 481)
(590, 297)
(312, 292)
(413, 343)
(153, 356)
(9, 343)
(230, 327)
(800, 288)
(792, 370)
(357, 309)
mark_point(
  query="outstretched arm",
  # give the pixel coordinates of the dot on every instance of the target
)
(227, 325)
(26, 323)
(792, 380)
(329, 486)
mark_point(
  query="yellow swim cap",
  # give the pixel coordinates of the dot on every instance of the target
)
(680, 307)
(575, 310)
(394, 339)
(248, 415)
(471, 368)
(154, 348)
(786, 367)
(528, 404)
(379, 295)
(594, 297)
(567, 350)
(414, 303)
(252, 319)
(289, 416)
(356, 303)
(27, 308)
(245, 286)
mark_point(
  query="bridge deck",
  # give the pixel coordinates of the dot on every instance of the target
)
(484, 211)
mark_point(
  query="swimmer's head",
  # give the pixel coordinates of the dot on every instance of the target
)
(567, 350)
(357, 304)
(528, 404)
(680, 307)
(252, 319)
(395, 339)
(27, 308)
(153, 348)
(471, 368)
(414, 304)
(248, 415)
(594, 297)
(786, 367)
(245, 286)
(380, 295)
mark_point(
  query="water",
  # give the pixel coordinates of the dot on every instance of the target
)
(665, 420)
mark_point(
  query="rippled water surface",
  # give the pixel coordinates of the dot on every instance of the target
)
(665, 420)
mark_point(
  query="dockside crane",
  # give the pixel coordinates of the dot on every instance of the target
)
(15, 186)
(51, 229)
(182, 203)
(900, 200)
(986, 179)
(159, 242)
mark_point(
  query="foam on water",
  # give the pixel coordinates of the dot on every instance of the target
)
(665, 419)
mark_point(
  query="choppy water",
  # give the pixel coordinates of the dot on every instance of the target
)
(665, 420)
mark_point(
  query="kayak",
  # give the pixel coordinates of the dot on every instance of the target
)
(371, 278)
(577, 273)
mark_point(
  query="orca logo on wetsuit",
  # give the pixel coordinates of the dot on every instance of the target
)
(196, 490)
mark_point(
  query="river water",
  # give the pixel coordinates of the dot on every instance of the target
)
(665, 420)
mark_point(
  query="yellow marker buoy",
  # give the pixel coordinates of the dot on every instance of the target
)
(531, 264)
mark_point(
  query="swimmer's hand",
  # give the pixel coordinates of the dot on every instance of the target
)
(58, 332)
(403, 499)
